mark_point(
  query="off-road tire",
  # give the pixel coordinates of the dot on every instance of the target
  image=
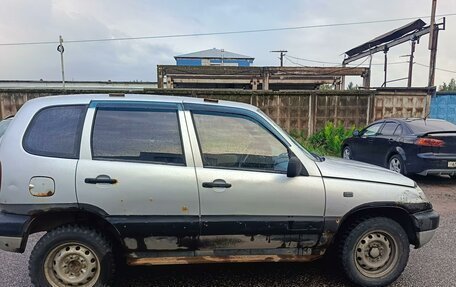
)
(72, 234)
(351, 237)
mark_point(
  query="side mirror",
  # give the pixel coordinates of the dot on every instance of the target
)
(294, 167)
(356, 133)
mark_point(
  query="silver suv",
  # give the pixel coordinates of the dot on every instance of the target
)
(151, 180)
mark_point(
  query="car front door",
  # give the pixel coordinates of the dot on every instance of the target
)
(365, 150)
(384, 142)
(136, 169)
(248, 204)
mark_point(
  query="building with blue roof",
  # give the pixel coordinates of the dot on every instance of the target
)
(214, 57)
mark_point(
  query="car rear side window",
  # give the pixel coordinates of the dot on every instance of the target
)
(236, 142)
(137, 135)
(389, 128)
(56, 132)
(398, 131)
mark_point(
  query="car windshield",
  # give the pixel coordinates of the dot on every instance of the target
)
(429, 125)
(4, 125)
(306, 152)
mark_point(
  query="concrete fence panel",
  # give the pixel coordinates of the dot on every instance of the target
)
(302, 111)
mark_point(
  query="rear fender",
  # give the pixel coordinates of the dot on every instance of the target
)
(395, 150)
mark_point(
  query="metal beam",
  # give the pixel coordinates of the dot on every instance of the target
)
(391, 44)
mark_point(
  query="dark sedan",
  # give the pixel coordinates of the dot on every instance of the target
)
(408, 146)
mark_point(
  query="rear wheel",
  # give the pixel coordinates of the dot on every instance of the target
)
(72, 256)
(347, 153)
(374, 251)
(396, 163)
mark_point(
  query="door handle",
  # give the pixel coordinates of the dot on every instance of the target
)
(100, 179)
(217, 183)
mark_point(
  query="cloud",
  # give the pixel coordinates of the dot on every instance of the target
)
(22, 21)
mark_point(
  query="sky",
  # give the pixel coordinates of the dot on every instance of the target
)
(44, 20)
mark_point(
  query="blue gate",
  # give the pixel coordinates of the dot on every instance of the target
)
(443, 106)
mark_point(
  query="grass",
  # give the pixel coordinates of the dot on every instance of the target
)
(327, 142)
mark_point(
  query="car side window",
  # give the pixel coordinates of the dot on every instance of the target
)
(56, 132)
(398, 131)
(238, 142)
(388, 129)
(371, 130)
(137, 135)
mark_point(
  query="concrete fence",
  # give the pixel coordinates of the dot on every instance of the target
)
(305, 111)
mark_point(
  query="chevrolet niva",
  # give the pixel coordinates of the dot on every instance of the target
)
(150, 180)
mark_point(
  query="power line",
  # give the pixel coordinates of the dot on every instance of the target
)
(440, 69)
(223, 32)
(334, 71)
(313, 61)
(335, 63)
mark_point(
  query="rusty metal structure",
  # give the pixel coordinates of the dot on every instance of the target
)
(383, 43)
(256, 78)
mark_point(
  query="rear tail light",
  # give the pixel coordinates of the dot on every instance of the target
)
(430, 142)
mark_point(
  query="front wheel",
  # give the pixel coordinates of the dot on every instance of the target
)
(374, 251)
(347, 153)
(72, 256)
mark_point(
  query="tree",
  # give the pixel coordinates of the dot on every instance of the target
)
(326, 87)
(451, 86)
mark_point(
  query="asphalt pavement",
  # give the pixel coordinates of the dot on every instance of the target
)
(432, 265)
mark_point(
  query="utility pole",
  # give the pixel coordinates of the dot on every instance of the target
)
(61, 49)
(412, 51)
(433, 36)
(385, 66)
(282, 54)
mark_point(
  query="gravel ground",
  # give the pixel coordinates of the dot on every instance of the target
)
(432, 265)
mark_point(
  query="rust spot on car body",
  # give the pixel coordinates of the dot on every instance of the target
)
(220, 259)
(43, 194)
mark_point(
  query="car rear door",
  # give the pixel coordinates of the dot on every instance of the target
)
(245, 193)
(136, 169)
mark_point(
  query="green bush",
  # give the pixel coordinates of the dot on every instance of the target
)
(327, 141)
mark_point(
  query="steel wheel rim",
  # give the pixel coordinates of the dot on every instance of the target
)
(376, 254)
(72, 264)
(347, 153)
(395, 165)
